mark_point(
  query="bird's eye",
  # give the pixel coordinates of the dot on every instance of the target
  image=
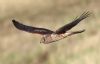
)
(42, 40)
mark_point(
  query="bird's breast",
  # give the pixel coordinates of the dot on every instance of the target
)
(56, 37)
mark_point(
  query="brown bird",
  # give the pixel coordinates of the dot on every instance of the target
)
(50, 36)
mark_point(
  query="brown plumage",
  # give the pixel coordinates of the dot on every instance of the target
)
(50, 36)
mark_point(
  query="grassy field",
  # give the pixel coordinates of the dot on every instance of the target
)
(18, 47)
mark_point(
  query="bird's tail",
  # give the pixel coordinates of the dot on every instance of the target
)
(76, 32)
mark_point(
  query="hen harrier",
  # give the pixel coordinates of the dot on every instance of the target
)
(50, 36)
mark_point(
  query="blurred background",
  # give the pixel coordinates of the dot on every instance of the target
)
(18, 47)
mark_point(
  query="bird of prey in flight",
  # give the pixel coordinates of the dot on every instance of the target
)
(49, 36)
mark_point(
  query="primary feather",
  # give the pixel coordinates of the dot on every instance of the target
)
(69, 26)
(31, 29)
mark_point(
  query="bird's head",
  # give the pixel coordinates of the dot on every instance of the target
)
(46, 39)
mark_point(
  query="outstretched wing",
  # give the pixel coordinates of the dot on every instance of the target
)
(31, 29)
(73, 23)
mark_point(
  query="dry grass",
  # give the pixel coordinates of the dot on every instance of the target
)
(17, 47)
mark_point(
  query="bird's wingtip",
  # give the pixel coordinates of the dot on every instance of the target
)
(13, 20)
